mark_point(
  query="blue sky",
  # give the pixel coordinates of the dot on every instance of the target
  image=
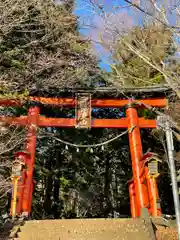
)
(87, 16)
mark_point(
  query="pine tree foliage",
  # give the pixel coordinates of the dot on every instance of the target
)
(152, 40)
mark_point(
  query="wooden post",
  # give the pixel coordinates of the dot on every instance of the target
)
(135, 144)
(33, 117)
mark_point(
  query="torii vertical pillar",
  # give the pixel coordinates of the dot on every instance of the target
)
(31, 149)
(140, 200)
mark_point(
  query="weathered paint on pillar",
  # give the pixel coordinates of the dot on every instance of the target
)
(31, 149)
(30, 197)
(135, 144)
(132, 196)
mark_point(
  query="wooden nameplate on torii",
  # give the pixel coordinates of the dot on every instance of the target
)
(83, 110)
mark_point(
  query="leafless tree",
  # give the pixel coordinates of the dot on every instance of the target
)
(11, 139)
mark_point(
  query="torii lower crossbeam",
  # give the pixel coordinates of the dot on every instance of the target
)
(71, 122)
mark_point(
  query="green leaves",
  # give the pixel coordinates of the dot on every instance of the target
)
(64, 182)
(152, 41)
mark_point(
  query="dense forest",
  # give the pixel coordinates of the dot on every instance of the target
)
(42, 52)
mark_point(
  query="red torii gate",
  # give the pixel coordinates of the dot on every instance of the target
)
(142, 189)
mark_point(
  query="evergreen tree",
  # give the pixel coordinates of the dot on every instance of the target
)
(152, 40)
(41, 49)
